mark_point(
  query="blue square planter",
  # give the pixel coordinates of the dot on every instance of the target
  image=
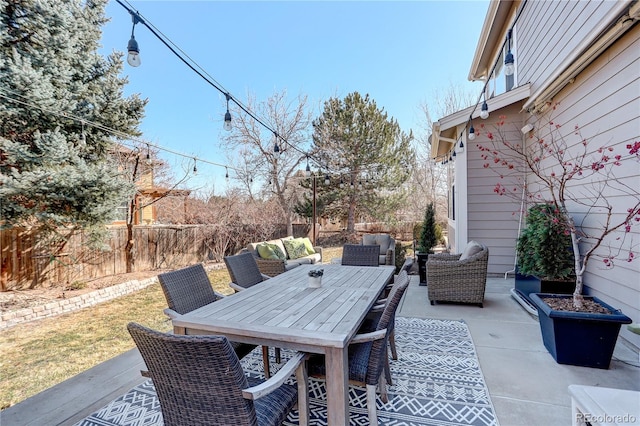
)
(579, 338)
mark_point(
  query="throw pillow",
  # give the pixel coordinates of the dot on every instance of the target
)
(278, 251)
(295, 248)
(270, 251)
(471, 249)
(308, 246)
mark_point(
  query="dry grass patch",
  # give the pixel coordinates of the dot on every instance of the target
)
(43, 353)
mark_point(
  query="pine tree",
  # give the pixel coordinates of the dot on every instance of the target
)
(56, 169)
(428, 238)
(368, 156)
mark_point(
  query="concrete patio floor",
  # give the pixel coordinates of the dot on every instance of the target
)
(526, 385)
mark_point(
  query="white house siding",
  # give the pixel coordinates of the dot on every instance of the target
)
(604, 100)
(492, 219)
(550, 31)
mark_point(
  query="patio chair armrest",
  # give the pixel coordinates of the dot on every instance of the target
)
(219, 295)
(268, 386)
(171, 313)
(235, 286)
(318, 250)
(369, 337)
(266, 277)
(379, 306)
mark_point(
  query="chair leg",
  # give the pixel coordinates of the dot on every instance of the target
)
(387, 372)
(302, 378)
(392, 344)
(371, 405)
(278, 358)
(382, 387)
(265, 360)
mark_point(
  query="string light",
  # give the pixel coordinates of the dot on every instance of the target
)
(472, 133)
(307, 171)
(484, 111)
(195, 166)
(227, 115)
(509, 60)
(133, 58)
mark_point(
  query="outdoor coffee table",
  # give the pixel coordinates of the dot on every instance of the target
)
(285, 312)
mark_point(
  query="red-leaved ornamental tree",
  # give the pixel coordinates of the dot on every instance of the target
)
(578, 179)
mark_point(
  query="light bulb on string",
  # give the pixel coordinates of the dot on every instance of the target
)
(509, 60)
(484, 111)
(133, 57)
(227, 115)
(472, 133)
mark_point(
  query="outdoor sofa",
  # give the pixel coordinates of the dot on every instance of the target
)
(282, 254)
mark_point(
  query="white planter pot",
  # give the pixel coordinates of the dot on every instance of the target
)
(315, 282)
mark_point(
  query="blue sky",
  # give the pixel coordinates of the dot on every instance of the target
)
(400, 53)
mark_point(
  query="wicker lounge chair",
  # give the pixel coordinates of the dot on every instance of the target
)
(387, 254)
(199, 381)
(360, 255)
(458, 277)
(368, 358)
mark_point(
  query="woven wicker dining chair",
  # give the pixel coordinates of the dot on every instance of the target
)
(368, 359)
(199, 381)
(360, 255)
(188, 289)
(400, 285)
(244, 273)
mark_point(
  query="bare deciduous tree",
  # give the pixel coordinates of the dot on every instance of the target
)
(252, 148)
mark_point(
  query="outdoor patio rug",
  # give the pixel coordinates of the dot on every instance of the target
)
(437, 381)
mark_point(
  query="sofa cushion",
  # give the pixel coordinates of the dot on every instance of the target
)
(382, 240)
(308, 246)
(471, 249)
(295, 248)
(270, 251)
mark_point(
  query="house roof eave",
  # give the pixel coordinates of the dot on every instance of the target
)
(443, 131)
(494, 29)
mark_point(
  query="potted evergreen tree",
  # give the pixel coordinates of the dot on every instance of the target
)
(544, 255)
(572, 176)
(428, 239)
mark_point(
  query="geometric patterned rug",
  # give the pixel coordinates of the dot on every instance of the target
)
(437, 381)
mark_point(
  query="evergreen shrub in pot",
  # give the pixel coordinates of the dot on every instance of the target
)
(544, 256)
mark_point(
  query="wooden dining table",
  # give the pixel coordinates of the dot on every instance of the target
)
(285, 312)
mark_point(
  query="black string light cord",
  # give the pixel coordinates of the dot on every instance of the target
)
(484, 88)
(137, 18)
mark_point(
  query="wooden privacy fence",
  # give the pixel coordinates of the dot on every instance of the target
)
(27, 265)
(155, 247)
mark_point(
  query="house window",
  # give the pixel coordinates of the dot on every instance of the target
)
(121, 212)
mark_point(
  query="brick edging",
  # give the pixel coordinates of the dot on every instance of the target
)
(57, 307)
